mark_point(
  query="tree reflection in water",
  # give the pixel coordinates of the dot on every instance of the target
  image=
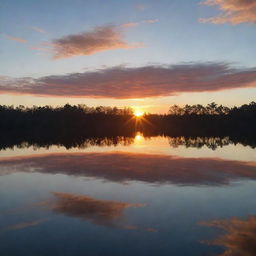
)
(123, 140)
(199, 142)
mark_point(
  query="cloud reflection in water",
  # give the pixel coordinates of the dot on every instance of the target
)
(99, 212)
(239, 238)
(123, 167)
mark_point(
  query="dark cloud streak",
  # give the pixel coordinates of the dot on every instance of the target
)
(137, 82)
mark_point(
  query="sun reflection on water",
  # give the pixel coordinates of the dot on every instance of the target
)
(139, 139)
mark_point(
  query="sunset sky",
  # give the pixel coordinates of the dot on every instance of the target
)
(144, 54)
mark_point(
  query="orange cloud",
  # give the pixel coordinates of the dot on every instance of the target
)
(234, 11)
(134, 24)
(120, 167)
(17, 39)
(130, 24)
(139, 82)
(87, 43)
(239, 238)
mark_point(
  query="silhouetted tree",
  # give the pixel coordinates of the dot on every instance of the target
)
(64, 125)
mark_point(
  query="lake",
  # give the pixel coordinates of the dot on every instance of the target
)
(129, 196)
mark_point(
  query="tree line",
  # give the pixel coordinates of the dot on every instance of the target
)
(68, 123)
(212, 109)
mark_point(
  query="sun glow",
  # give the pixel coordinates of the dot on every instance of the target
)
(138, 139)
(138, 113)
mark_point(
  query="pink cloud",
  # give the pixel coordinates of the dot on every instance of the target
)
(17, 39)
(134, 24)
(87, 43)
(38, 48)
(130, 24)
(233, 11)
(138, 82)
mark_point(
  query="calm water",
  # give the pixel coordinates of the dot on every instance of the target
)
(129, 196)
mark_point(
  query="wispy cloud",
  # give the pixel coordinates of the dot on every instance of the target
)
(134, 24)
(138, 82)
(151, 21)
(39, 48)
(87, 43)
(233, 11)
(37, 29)
(130, 24)
(17, 39)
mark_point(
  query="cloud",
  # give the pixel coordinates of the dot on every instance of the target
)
(233, 11)
(99, 212)
(239, 238)
(151, 21)
(120, 167)
(135, 82)
(134, 24)
(38, 48)
(17, 39)
(37, 29)
(130, 24)
(87, 43)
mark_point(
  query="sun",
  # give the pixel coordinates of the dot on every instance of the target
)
(138, 113)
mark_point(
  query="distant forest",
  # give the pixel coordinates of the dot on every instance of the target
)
(67, 124)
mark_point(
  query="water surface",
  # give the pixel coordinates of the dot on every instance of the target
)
(129, 196)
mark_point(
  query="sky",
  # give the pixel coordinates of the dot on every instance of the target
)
(144, 54)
